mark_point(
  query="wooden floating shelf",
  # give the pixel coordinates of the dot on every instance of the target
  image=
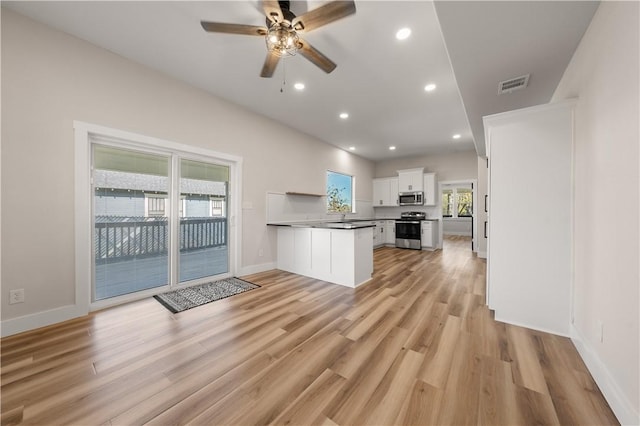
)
(304, 194)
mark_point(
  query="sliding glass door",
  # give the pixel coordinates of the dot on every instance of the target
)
(203, 220)
(140, 200)
(131, 235)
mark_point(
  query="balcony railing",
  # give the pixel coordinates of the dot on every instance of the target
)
(120, 238)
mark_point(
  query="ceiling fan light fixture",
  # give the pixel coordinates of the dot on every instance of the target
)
(282, 40)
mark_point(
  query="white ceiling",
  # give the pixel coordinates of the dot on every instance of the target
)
(379, 80)
(489, 42)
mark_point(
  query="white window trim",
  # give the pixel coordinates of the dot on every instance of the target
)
(84, 133)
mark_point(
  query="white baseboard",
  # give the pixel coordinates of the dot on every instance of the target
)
(544, 330)
(254, 269)
(618, 401)
(41, 319)
(482, 254)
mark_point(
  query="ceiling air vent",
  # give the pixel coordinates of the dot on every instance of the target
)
(513, 84)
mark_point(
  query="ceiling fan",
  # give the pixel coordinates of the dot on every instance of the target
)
(283, 28)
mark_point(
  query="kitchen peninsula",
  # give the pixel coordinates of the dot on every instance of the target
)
(337, 252)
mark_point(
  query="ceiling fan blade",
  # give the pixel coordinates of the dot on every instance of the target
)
(317, 58)
(219, 27)
(269, 66)
(272, 10)
(324, 15)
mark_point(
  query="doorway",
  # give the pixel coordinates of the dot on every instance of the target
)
(457, 202)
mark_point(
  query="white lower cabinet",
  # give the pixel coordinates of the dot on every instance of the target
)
(390, 232)
(375, 236)
(302, 254)
(427, 234)
(379, 231)
(321, 255)
(286, 248)
(340, 256)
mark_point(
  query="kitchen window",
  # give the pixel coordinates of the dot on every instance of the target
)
(340, 189)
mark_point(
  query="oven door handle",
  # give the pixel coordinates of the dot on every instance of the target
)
(412, 222)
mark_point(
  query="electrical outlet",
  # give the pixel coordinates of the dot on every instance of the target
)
(260, 253)
(16, 296)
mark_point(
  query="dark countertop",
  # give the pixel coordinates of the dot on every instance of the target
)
(432, 219)
(346, 224)
(349, 224)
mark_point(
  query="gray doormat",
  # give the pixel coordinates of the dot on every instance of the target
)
(190, 297)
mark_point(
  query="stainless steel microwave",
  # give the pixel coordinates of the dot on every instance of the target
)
(415, 198)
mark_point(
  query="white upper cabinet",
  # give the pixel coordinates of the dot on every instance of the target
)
(411, 180)
(393, 192)
(430, 189)
(385, 192)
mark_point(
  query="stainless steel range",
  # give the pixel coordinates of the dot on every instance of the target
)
(408, 230)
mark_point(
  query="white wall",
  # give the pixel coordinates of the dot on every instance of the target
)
(454, 166)
(50, 79)
(457, 226)
(604, 74)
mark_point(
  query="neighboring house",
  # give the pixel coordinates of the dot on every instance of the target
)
(126, 194)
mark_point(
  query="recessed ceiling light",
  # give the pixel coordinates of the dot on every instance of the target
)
(429, 87)
(344, 115)
(403, 33)
(299, 86)
(392, 148)
(456, 136)
(352, 148)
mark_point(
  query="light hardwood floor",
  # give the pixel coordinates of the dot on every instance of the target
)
(414, 346)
